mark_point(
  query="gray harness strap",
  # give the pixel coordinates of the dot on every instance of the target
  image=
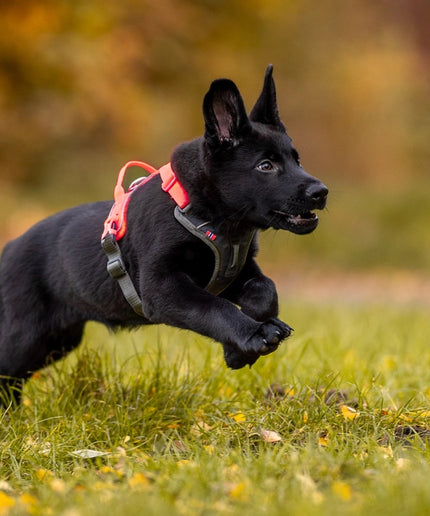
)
(230, 256)
(230, 253)
(117, 269)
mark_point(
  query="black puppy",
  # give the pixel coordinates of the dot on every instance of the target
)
(191, 267)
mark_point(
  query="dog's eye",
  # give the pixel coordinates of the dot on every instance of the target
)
(296, 157)
(265, 166)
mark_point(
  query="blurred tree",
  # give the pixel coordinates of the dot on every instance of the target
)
(88, 84)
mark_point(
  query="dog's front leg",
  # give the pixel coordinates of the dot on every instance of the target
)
(174, 299)
(256, 294)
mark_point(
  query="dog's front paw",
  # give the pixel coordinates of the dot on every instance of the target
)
(268, 337)
(236, 359)
(264, 341)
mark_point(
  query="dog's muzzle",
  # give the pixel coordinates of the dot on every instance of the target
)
(304, 220)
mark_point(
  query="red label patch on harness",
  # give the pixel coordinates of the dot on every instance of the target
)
(210, 235)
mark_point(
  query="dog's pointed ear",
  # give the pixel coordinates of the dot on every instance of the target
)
(224, 113)
(265, 110)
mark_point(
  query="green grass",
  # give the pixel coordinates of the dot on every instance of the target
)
(182, 434)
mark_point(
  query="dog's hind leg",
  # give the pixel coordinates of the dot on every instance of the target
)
(60, 343)
(16, 357)
(17, 363)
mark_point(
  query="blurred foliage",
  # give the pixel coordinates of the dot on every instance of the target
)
(360, 229)
(88, 85)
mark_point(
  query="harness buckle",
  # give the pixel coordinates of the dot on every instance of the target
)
(172, 186)
(166, 186)
(115, 265)
(116, 268)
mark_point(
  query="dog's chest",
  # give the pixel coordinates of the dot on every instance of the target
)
(197, 261)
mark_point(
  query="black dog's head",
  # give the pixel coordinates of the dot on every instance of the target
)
(251, 165)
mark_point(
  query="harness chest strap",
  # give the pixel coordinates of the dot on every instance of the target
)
(230, 253)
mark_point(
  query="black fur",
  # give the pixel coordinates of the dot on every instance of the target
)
(244, 172)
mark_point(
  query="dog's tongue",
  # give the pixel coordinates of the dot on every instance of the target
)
(303, 217)
(308, 215)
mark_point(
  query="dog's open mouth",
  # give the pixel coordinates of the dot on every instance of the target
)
(301, 223)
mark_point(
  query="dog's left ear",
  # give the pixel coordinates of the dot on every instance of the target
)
(265, 110)
(224, 113)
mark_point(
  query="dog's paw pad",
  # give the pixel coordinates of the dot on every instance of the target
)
(236, 359)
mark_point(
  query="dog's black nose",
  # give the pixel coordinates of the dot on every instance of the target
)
(317, 193)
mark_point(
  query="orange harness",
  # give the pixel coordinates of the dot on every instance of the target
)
(116, 223)
(115, 226)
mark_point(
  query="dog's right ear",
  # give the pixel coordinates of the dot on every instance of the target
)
(224, 113)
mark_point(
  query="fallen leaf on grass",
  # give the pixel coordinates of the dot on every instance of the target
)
(269, 436)
(349, 413)
(186, 463)
(44, 475)
(29, 502)
(342, 490)
(237, 491)
(106, 470)
(6, 501)
(209, 448)
(408, 417)
(89, 454)
(173, 426)
(200, 427)
(239, 417)
(323, 441)
(138, 481)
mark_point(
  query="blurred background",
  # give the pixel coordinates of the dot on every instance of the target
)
(90, 84)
